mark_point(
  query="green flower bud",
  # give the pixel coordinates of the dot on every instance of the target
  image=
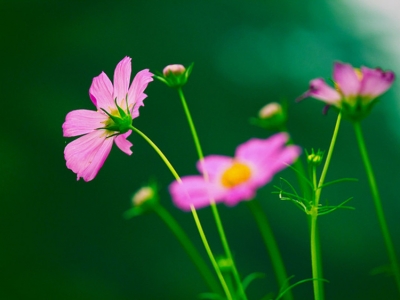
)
(315, 159)
(272, 116)
(143, 200)
(175, 76)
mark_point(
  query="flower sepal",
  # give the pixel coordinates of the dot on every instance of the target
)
(359, 110)
(121, 124)
(175, 76)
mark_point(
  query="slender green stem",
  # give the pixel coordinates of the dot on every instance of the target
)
(166, 161)
(210, 254)
(378, 204)
(271, 245)
(314, 239)
(191, 124)
(328, 158)
(178, 179)
(189, 248)
(212, 202)
(315, 258)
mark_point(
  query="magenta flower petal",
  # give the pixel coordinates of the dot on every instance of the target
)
(193, 190)
(86, 155)
(321, 91)
(346, 78)
(240, 193)
(122, 76)
(214, 164)
(100, 92)
(267, 157)
(123, 144)
(82, 121)
(260, 150)
(375, 82)
(136, 93)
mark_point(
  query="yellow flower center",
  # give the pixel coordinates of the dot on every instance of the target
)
(235, 175)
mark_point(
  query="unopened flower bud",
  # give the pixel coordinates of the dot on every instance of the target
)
(315, 159)
(270, 110)
(272, 116)
(144, 200)
(175, 76)
(176, 70)
(142, 195)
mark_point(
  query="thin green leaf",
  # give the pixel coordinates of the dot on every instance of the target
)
(338, 181)
(250, 278)
(296, 284)
(341, 205)
(302, 176)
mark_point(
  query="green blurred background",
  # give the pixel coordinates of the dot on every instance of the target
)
(66, 239)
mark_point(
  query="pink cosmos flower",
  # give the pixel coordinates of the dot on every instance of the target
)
(117, 104)
(355, 89)
(234, 179)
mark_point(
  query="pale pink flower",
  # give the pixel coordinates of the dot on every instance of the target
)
(355, 89)
(234, 179)
(98, 129)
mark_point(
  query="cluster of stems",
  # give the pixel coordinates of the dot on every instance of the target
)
(235, 289)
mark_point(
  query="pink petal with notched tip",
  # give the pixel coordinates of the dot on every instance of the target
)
(123, 144)
(82, 121)
(375, 82)
(346, 78)
(122, 77)
(321, 91)
(136, 93)
(87, 154)
(100, 92)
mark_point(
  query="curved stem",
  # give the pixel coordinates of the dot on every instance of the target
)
(166, 161)
(178, 179)
(189, 248)
(378, 204)
(328, 157)
(212, 202)
(271, 245)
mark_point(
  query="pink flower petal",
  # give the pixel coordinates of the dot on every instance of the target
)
(100, 92)
(321, 91)
(136, 93)
(122, 76)
(375, 82)
(123, 143)
(266, 157)
(243, 192)
(259, 150)
(193, 190)
(215, 165)
(82, 121)
(86, 155)
(281, 160)
(346, 78)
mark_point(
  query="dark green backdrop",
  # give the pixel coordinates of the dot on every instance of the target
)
(63, 239)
